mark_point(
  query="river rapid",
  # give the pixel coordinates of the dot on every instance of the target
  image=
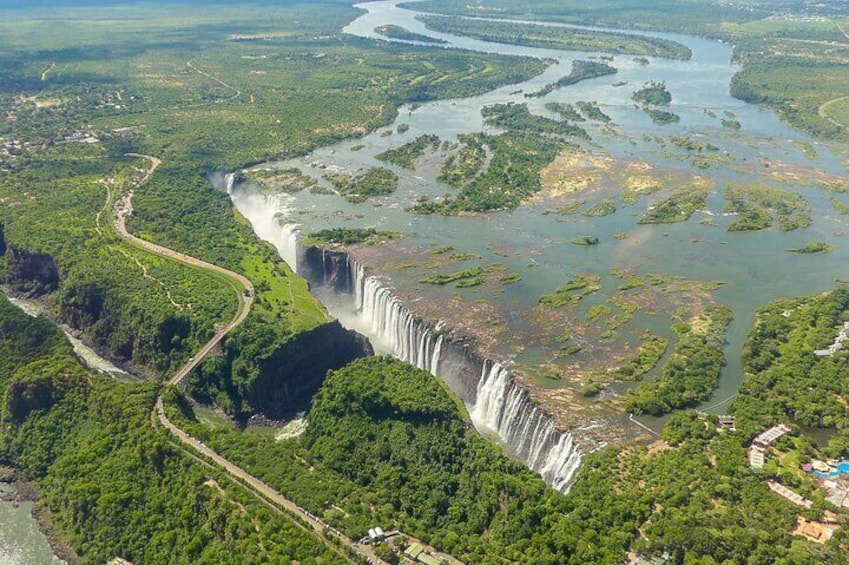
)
(534, 243)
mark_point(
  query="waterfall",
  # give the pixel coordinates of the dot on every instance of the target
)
(392, 325)
(496, 404)
(229, 182)
(500, 406)
(505, 409)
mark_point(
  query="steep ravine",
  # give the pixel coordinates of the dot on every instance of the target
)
(497, 405)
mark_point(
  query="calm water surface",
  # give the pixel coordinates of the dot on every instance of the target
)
(754, 267)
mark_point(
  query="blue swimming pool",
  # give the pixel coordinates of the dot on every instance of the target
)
(842, 469)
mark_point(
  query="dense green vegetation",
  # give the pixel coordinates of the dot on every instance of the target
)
(517, 117)
(467, 277)
(581, 70)
(512, 174)
(387, 444)
(349, 236)
(398, 32)
(377, 181)
(653, 94)
(290, 180)
(112, 483)
(783, 81)
(813, 247)
(390, 445)
(661, 117)
(678, 207)
(692, 372)
(572, 292)
(755, 204)
(592, 112)
(558, 37)
(651, 349)
(785, 381)
(565, 110)
(406, 155)
(134, 307)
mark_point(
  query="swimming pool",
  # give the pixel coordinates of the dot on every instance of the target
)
(842, 469)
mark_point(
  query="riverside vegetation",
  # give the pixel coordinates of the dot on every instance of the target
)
(777, 54)
(283, 81)
(79, 437)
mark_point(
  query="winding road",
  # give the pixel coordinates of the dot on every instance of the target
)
(245, 292)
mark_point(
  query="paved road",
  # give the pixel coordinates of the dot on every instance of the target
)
(245, 293)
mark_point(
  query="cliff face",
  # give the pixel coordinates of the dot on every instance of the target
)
(329, 268)
(31, 273)
(290, 377)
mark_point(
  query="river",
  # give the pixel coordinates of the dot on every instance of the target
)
(21, 542)
(754, 267)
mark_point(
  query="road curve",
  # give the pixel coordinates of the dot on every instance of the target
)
(245, 292)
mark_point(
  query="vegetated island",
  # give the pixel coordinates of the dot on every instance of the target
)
(813, 247)
(581, 70)
(397, 32)
(567, 39)
(377, 181)
(406, 155)
(492, 172)
(350, 236)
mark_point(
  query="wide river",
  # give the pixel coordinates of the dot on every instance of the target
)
(754, 267)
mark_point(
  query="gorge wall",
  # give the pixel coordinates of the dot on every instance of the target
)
(30, 273)
(498, 407)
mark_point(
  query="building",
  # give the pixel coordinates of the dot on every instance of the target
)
(770, 436)
(414, 551)
(417, 554)
(376, 534)
(756, 457)
(726, 421)
(788, 494)
(817, 532)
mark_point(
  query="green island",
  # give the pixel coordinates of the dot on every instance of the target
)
(651, 349)
(755, 204)
(565, 110)
(397, 32)
(653, 94)
(662, 117)
(517, 117)
(512, 174)
(406, 155)
(692, 371)
(377, 181)
(290, 180)
(572, 292)
(557, 38)
(349, 236)
(581, 70)
(592, 112)
(813, 247)
(468, 277)
(678, 207)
